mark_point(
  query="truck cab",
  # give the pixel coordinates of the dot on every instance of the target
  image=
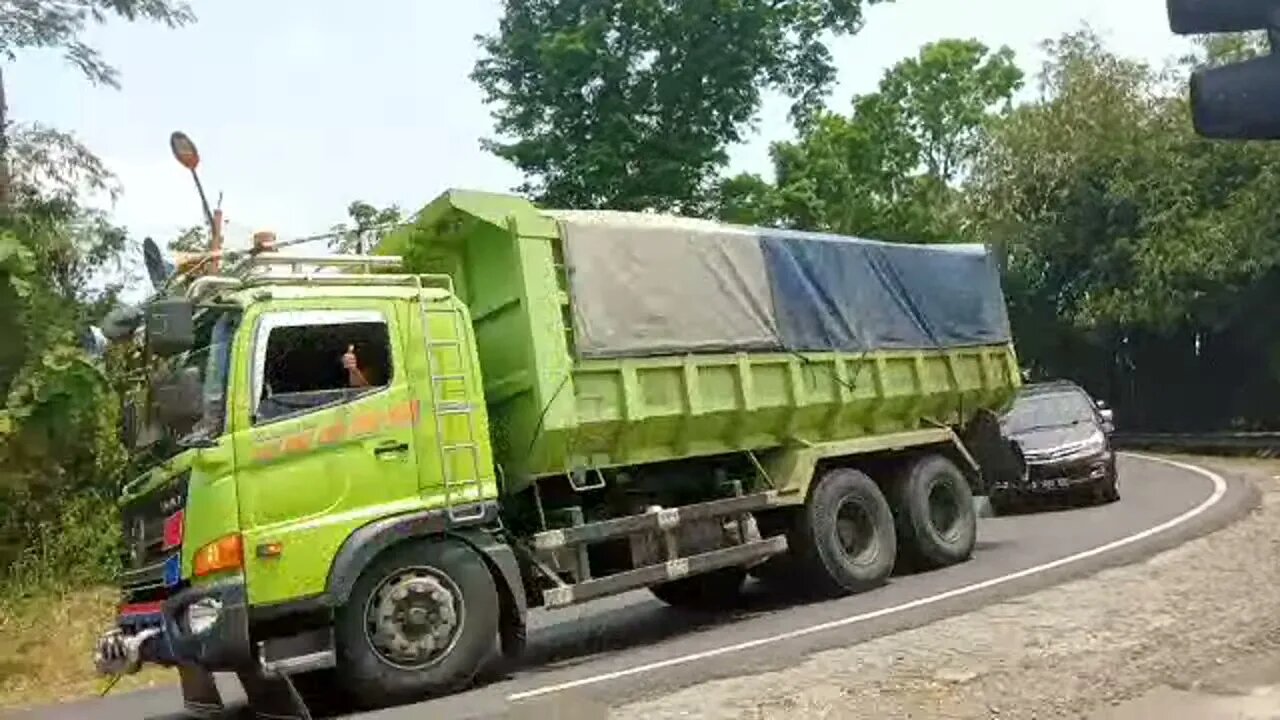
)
(298, 403)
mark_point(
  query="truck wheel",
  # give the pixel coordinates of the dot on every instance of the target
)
(843, 541)
(421, 620)
(715, 590)
(937, 525)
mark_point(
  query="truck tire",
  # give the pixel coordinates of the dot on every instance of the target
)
(421, 620)
(843, 541)
(715, 590)
(933, 505)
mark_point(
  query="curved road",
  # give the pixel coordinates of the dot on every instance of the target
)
(621, 649)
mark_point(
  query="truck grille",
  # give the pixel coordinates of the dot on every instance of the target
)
(144, 551)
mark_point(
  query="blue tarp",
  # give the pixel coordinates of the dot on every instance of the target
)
(834, 293)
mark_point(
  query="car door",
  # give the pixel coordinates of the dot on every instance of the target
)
(318, 459)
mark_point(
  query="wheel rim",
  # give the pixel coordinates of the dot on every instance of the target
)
(414, 617)
(856, 532)
(944, 510)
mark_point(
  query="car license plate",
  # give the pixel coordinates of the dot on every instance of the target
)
(1050, 484)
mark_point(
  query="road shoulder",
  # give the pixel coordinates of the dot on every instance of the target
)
(1065, 651)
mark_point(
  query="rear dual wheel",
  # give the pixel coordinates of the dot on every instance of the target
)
(843, 541)
(936, 521)
(848, 536)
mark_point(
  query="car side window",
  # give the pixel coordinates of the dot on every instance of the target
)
(306, 361)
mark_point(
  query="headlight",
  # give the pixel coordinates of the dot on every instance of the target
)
(1096, 443)
(202, 614)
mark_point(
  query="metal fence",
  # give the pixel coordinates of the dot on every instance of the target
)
(1262, 444)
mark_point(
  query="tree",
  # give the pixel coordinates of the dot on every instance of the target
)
(1137, 249)
(631, 104)
(891, 168)
(45, 24)
(191, 240)
(368, 225)
(59, 447)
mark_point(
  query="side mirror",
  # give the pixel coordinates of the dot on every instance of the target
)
(1108, 420)
(179, 400)
(170, 326)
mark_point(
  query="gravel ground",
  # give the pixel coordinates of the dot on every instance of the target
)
(1064, 652)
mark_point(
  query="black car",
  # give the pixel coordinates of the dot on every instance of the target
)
(1064, 436)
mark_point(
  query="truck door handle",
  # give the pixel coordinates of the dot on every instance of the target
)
(390, 447)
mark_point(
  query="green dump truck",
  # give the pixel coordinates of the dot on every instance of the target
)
(365, 470)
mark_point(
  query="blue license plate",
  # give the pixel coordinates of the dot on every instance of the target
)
(173, 570)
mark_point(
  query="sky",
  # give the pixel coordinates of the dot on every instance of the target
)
(299, 107)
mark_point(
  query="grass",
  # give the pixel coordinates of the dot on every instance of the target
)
(46, 649)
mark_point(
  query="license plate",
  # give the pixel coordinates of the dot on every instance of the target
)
(1051, 484)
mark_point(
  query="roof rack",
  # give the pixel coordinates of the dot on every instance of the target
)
(312, 270)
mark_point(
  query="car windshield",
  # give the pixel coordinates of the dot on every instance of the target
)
(1048, 410)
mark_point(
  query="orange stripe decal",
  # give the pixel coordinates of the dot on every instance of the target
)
(401, 415)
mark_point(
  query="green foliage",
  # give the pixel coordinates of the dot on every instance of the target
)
(889, 170)
(193, 239)
(631, 104)
(37, 24)
(60, 455)
(1138, 252)
(368, 225)
(1115, 209)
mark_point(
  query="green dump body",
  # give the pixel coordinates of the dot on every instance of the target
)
(553, 411)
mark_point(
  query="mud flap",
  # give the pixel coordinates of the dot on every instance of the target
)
(200, 696)
(999, 458)
(272, 698)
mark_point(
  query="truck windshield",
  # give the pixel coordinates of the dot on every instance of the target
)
(211, 357)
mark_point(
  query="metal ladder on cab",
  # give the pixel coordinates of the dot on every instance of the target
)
(451, 449)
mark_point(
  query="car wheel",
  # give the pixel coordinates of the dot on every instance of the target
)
(1002, 503)
(1109, 488)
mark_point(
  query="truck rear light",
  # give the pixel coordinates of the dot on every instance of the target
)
(173, 529)
(225, 553)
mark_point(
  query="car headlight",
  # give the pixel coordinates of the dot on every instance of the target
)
(202, 614)
(1097, 442)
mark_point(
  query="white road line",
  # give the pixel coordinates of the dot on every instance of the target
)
(1219, 490)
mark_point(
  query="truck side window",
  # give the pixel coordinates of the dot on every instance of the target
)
(300, 366)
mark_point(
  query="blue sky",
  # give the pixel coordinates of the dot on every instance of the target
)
(300, 107)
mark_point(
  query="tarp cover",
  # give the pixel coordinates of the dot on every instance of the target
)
(833, 293)
(657, 285)
(653, 285)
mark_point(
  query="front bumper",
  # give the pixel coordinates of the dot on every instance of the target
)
(158, 633)
(1044, 477)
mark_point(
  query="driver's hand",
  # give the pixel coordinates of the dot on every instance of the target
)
(349, 358)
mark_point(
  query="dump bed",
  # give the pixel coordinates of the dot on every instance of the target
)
(609, 339)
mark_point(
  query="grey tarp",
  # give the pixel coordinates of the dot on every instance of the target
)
(654, 285)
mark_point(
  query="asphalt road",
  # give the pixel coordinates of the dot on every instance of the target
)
(632, 646)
